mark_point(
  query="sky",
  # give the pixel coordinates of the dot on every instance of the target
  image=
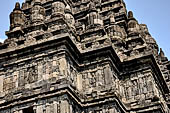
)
(154, 13)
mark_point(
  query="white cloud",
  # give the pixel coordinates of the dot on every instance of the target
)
(1, 40)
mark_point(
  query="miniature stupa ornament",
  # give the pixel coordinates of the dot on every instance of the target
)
(37, 12)
(92, 6)
(16, 17)
(69, 16)
(130, 15)
(161, 54)
(133, 26)
(58, 8)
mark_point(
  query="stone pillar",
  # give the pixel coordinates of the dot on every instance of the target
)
(104, 110)
(55, 106)
(64, 107)
(47, 108)
(39, 109)
(71, 109)
(20, 111)
(40, 68)
(55, 68)
(63, 66)
(111, 110)
(108, 75)
(47, 70)
(44, 66)
(1, 83)
(16, 78)
(79, 82)
(21, 80)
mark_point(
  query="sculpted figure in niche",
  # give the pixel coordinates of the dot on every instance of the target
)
(32, 75)
(38, 12)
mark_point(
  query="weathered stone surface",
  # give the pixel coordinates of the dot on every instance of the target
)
(81, 56)
(1, 83)
(39, 109)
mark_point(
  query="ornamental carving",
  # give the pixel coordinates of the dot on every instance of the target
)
(31, 75)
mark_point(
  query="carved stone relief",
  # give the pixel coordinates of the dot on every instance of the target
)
(140, 86)
(8, 83)
(31, 75)
(29, 39)
(100, 79)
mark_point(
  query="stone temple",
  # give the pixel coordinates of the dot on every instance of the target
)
(81, 56)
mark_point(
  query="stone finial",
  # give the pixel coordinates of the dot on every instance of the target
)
(130, 15)
(37, 12)
(16, 17)
(161, 54)
(68, 9)
(58, 8)
(133, 26)
(144, 28)
(17, 6)
(92, 6)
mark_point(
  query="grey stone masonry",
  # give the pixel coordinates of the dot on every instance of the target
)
(81, 56)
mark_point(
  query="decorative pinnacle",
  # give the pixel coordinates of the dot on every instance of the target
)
(17, 6)
(130, 14)
(161, 53)
(68, 9)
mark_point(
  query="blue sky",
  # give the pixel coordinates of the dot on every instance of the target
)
(154, 13)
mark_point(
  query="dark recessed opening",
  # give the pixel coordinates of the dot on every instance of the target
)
(28, 110)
